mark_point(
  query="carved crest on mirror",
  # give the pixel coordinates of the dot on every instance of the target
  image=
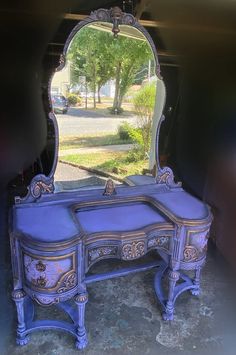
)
(41, 184)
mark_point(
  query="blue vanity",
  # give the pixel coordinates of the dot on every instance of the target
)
(57, 237)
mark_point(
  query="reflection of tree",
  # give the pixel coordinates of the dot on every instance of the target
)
(89, 55)
(100, 57)
(144, 102)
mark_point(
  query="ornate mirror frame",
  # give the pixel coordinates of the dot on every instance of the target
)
(42, 184)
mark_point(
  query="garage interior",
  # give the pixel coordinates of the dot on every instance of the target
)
(196, 49)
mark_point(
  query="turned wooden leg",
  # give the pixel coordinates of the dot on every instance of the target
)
(173, 277)
(19, 297)
(196, 281)
(81, 299)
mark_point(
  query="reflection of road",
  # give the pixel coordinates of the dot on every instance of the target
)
(82, 122)
(101, 149)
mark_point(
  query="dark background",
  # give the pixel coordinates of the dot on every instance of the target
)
(199, 134)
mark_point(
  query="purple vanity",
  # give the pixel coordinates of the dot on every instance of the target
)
(57, 237)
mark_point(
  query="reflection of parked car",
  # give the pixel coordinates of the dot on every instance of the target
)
(59, 104)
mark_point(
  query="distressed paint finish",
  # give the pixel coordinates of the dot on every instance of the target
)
(51, 258)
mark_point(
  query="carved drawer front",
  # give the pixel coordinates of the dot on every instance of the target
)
(96, 253)
(133, 249)
(50, 274)
(159, 240)
(196, 245)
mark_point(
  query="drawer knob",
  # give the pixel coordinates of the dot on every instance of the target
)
(40, 266)
(41, 281)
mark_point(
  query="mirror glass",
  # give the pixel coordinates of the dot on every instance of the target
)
(108, 101)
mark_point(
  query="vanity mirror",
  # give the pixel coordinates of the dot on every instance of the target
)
(100, 58)
(120, 100)
(56, 238)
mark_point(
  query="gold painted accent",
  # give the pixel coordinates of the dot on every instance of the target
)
(41, 281)
(109, 188)
(81, 298)
(133, 250)
(50, 289)
(42, 257)
(54, 301)
(68, 282)
(92, 238)
(18, 294)
(196, 231)
(190, 253)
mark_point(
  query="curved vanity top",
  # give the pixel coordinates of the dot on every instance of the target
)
(119, 217)
(65, 219)
(183, 205)
(50, 223)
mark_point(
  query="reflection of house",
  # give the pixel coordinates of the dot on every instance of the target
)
(108, 89)
(61, 81)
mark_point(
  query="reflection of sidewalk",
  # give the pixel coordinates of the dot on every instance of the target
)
(104, 148)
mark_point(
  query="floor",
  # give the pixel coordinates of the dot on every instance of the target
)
(123, 316)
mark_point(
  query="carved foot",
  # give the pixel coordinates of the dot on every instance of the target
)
(81, 342)
(167, 316)
(195, 291)
(22, 341)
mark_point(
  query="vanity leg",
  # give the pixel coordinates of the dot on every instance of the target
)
(81, 299)
(173, 277)
(19, 297)
(196, 281)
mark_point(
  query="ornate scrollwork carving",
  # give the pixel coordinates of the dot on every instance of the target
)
(160, 241)
(100, 252)
(115, 15)
(68, 283)
(40, 185)
(133, 250)
(190, 253)
(165, 176)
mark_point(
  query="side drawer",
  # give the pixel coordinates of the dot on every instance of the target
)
(49, 274)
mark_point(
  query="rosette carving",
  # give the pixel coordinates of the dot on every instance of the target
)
(18, 294)
(190, 253)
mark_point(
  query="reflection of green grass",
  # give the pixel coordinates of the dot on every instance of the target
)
(91, 141)
(107, 161)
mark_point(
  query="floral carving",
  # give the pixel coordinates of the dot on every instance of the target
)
(133, 250)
